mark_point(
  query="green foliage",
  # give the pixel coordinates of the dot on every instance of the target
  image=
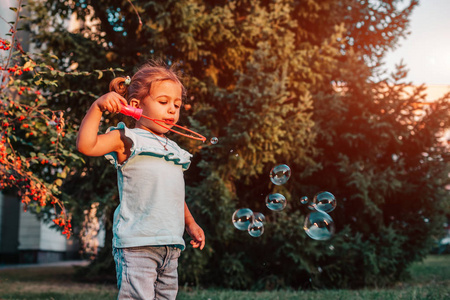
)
(294, 82)
(387, 165)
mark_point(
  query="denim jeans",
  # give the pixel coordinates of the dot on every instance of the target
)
(148, 272)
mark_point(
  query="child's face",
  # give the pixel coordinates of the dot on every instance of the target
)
(163, 103)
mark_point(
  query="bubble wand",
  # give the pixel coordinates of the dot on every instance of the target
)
(136, 113)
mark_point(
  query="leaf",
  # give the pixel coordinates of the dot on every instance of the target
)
(28, 64)
(62, 174)
(100, 74)
(13, 9)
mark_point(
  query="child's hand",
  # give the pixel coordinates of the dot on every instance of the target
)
(111, 102)
(197, 235)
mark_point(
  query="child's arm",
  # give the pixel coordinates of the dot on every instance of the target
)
(88, 141)
(192, 228)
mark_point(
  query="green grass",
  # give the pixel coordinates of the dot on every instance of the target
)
(433, 268)
(430, 280)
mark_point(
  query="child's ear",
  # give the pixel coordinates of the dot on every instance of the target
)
(134, 102)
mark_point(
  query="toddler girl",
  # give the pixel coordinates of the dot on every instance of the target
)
(152, 215)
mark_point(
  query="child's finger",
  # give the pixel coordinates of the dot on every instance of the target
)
(118, 106)
(119, 100)
(199, 240)
(123, 100)
(109, 107)
(202, 245)
(115, 107)
(202, 241)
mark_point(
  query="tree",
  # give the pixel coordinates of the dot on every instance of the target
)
(295, 82)
(387, 164)
(33, 155)
(36, 148)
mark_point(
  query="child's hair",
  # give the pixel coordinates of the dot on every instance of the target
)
(141, 83)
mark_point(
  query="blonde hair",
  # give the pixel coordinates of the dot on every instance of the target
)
(141, 82)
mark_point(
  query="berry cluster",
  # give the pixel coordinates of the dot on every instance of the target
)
(4, 45)
(63, 222)
(17, 70)
(13, 173)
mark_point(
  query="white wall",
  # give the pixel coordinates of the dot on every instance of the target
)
(51, 239)
(7, 14)
(29, 231)
(36, 235)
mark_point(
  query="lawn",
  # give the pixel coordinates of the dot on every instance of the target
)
(430, 280)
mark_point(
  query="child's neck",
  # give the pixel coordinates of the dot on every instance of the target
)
(152, 131)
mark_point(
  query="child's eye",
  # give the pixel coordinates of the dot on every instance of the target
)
(177, 106)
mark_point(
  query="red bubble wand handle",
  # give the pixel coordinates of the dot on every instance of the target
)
(131, 111)
(136, 113)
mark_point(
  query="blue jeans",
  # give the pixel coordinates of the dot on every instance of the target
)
(148, 272)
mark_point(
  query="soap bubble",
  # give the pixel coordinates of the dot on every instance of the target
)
(275, 201)
(259, 217)
(256, 229)
(324, 201)
(214, 140)
(319, 225)
(280, 174)
(242, 218)
(304, 200)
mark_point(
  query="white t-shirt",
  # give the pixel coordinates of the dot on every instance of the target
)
(151, 190)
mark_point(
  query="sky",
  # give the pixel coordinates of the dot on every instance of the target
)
(426, 51)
